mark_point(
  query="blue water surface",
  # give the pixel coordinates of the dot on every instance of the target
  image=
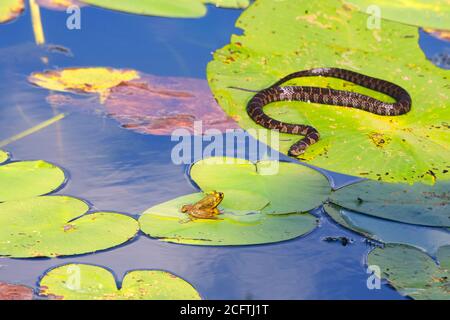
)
(120, 170)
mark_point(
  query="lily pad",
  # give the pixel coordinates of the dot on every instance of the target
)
(54, 226)
(11, 9)
(59, 4)
(10, 291)
(425, 238)
(396, 149)
(4, 156)
(439, 34)
(156, 105)
(26, 179)
(422, 13)
(417, 204)
(83, 80)
(289, 188)
(88, 282)
(166, 222)
(164, 8)
(413, 273)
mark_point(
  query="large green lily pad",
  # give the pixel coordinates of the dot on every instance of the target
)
(385, 231)
(413, 273)
(26, 179)
(417, 204)
(422, 13)
(166, 222)
(53, 226)
(10, 9)
(87, 282)
(164, 8)
(291, 187)
(4, 156)
(310, 34)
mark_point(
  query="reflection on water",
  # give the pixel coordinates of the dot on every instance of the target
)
(117, 169)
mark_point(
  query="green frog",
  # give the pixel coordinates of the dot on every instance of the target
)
(205, 208)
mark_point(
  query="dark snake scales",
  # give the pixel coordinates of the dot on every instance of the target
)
(325, 96)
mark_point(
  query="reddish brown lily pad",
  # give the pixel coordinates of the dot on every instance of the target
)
(15, 292)
(157, 105)
(60, 5)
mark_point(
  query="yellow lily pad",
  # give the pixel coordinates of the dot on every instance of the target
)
(11, 9)
(83, 80)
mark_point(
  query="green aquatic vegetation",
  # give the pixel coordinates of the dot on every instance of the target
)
(386, 231)
(416, 204)
(4, 156)
(263, 202)
(421, 13)
(88, 282)
(26, 179)
(310, 34)
(412, 272)
(52, 226)
(164, 8)
(288, 187)
(167, 223)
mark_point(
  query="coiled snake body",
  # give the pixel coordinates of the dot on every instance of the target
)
(325, 96)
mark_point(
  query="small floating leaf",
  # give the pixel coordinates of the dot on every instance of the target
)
(417, 204)
(54, 226)
(59, 4)
(11, 9)
(166, 222)
(421, 13)
(289, 188)
(10, 291)
(412, 272)
(385, 231)
(164, 8)
(87, 282)
(25, 179)
(83, 80)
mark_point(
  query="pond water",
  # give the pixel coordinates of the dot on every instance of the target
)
(120, 170)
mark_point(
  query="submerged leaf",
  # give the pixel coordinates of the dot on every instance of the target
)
(421, 13)
(15, 292)
(417, 204)
(311, 34)
(87, 282)
(164, 8)
(54, 226)
(385, 231)
(289, 187)
(26, 179)
(167, 223)
(412, 272)
(11, 9)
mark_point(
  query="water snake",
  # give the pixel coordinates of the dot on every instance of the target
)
(325, 96)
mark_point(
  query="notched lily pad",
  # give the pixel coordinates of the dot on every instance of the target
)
(289, 187)
(25, 179)
(385, 231)
(167, 223)
(88, 282)
(408, 148)
(164, 8)
(54, 226)
(10, 291)
(412, 272)
(59, 5)
(11, 9)
(416, 204)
